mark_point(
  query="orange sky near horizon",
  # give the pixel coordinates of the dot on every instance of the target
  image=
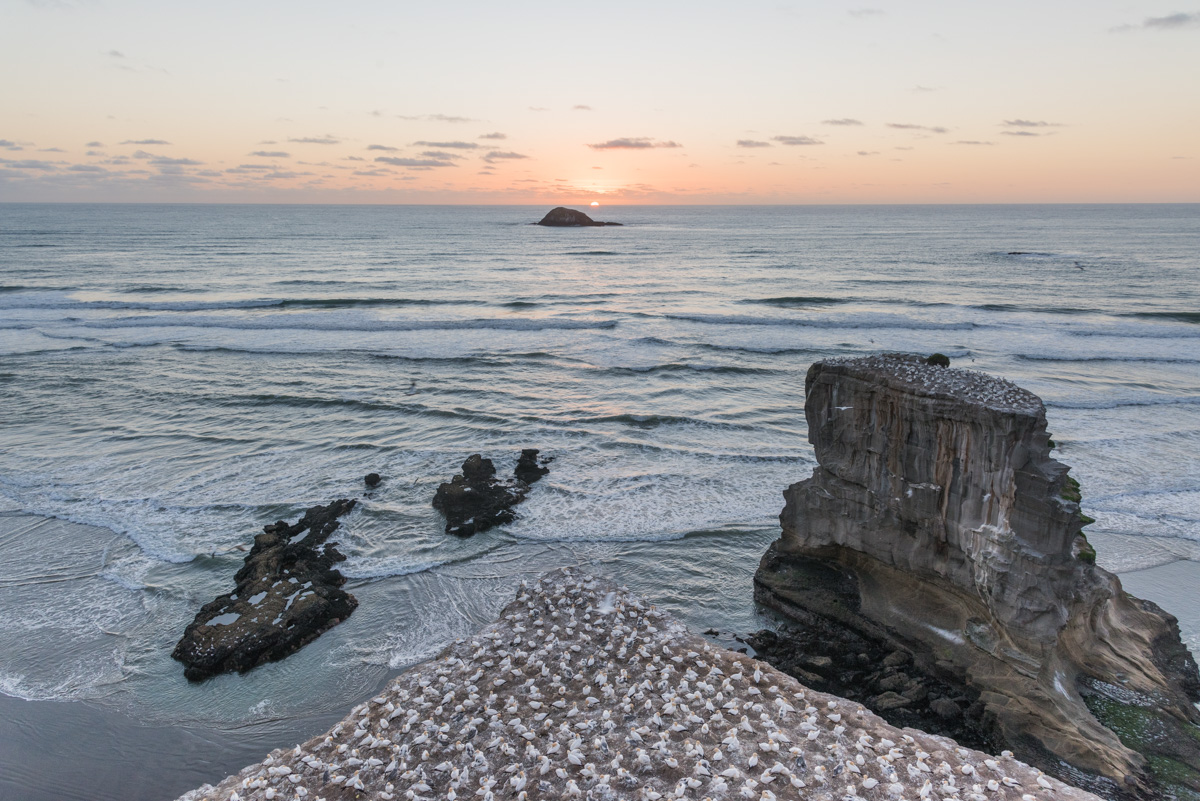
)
(925, 102)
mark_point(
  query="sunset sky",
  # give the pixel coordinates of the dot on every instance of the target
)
(621, 102)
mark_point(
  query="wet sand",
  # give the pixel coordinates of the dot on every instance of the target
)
(63, 751)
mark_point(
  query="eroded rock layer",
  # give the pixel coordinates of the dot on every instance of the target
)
(937, 523)
(582, 691)
(287, 594)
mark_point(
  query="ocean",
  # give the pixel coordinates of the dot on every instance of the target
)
(174, 377)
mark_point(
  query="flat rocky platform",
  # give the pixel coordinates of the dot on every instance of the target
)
(581, 690)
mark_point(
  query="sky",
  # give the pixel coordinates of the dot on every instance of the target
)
(615, 102)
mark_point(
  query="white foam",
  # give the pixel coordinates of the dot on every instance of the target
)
(317, 321)
(863, 320)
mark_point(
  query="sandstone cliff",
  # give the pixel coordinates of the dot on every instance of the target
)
(950, 532)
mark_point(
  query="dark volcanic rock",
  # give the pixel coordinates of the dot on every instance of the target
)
(570, 218)
(475, 500)
(936, 523)
(833, 658)
(372, 479)
(288, 593)
(528, 469)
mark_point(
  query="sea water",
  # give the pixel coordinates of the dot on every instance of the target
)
(172, 378)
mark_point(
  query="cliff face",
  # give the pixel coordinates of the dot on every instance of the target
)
(937, 498)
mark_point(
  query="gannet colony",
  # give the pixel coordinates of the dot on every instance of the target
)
(582, 690)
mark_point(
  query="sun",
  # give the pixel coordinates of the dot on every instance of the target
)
(595, 202)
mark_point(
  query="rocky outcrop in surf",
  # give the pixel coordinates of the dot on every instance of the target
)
(287, 594)
(570, 218)
(475, 499)
(581, 690)
(937, 524)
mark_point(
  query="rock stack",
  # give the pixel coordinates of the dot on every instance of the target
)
(938, 525)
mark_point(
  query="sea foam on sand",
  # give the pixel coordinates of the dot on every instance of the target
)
(582, 690)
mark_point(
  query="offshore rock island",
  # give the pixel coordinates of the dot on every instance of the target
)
(938, 527)
(570, 218)
(581, 690)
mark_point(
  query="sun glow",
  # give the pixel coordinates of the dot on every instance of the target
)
(595, 202)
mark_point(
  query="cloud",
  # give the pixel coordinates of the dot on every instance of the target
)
(842, 121)
(116, 54)
(503, 155)
(860, 13)
(797, 140)
(449, 145)
(493, 135)
(581, 108)
(868, 152)
(29, 164)
(752, 143)
(316, 140)
(1031, 124)
(919, 88)
(271, 154)
(373, 173)
(85, 168)
(351, 158)
(435, 118)
(538, 108)
(165, 161)
(904, 126)
(384, 148)
(441, 154)
(145, 142)
(89, 144)
(971, 142)
(1170, 22)
(409, 162)
(1019, 133)
(632, 143)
